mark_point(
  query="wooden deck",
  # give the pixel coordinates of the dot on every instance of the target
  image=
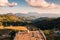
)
(32, 35)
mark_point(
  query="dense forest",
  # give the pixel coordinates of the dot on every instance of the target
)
(49, 23)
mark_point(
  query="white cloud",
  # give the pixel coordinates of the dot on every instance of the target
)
(6, 3)
(41, 4)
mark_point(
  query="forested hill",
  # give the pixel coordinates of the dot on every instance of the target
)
(48, 23)
(42, 22)
(9, 17)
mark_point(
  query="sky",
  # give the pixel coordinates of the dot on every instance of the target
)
(25, 6)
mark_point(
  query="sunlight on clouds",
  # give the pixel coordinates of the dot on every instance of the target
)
(39, 6)
(6, 3)
(27, 10)
(42, 4)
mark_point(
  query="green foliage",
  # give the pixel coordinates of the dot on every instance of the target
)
(47, 31)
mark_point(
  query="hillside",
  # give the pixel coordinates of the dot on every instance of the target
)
(9, 17)
(47, 23)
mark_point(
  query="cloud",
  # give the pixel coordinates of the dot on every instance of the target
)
(6, 3)
(41, 4)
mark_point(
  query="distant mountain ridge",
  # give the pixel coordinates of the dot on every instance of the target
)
(37, 15)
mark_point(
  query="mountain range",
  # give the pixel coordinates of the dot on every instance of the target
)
(38, 15)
